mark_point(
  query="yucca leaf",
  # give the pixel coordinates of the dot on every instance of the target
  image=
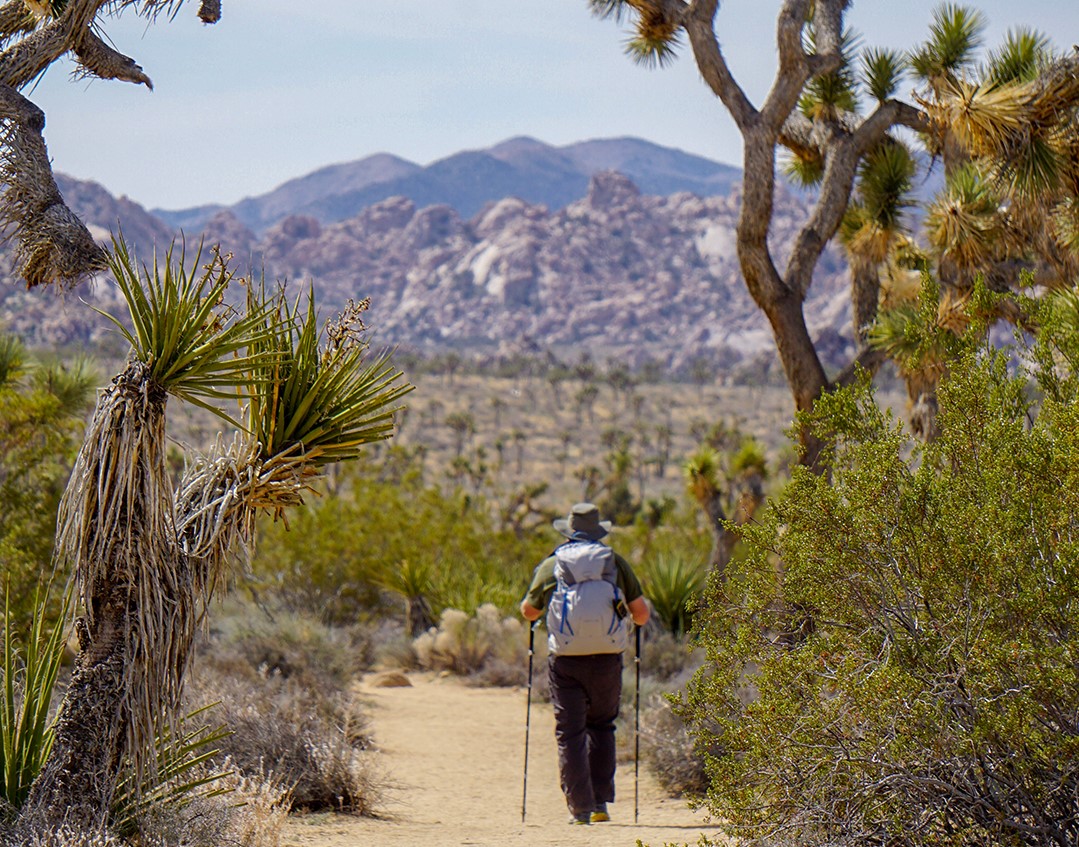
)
(1023, 54)
(882, 71)
(954, 36)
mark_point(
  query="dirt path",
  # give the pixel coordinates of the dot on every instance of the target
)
(456, 756)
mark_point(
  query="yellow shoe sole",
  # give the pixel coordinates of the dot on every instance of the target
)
(599, 817)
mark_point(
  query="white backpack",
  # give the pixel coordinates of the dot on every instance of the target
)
(582, 615)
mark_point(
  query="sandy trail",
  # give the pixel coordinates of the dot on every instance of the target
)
(456, 757)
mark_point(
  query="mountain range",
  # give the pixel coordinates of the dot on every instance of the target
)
(520, 167)
(615, 248)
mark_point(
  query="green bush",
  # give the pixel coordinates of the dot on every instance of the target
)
(42, 407)
(340, 556)
(896, 661)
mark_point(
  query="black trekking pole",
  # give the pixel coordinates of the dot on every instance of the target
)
(637, 727)
(528, 715)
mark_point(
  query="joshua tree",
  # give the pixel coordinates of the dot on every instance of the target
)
(51, 244)
(1007, 134)
(729, 490)
(147, 557)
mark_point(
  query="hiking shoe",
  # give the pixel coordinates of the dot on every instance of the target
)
(583, 819)
(599, 814)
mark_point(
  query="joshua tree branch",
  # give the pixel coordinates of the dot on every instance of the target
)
(699, 23)
(98, 59)
(846, 151)
(53, 245)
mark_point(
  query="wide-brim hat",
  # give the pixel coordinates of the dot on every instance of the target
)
(583, 520)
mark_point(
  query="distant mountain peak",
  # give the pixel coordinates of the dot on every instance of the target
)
(468, 181)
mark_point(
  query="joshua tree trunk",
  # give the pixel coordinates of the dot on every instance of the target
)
(76, 786)
(147, 560)
(114, 531)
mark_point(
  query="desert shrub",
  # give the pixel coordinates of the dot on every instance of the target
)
(669, 750)
(282, 686)
(284, 643)
(465, 644)
(42, 408)
(396, 651)
(667, 659)
(895, 662)
(309, 738)
(316, 567)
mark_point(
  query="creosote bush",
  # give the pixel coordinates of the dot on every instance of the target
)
(896, 660)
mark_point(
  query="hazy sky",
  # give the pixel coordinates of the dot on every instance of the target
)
(279, 88)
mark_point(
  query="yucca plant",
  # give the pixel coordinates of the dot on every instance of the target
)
(147, 559)
(192, 344)
(27, 679)
(414, 581)
(184, 773)
(319, 404)
(673, 584)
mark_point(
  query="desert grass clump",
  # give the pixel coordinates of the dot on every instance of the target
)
(464, 644)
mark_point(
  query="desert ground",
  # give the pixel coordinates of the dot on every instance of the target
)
(454, 756)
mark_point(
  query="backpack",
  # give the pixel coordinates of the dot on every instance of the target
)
(582, 618)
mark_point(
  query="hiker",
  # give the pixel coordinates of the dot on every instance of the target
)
(588, 591)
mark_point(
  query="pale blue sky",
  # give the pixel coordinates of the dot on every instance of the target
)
(279, 88)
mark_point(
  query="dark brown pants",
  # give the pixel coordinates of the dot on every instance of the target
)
(586, 691)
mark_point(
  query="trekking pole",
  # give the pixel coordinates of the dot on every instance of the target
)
(637, 726)
(528, 715)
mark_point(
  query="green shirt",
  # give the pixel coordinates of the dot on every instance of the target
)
(543, 582)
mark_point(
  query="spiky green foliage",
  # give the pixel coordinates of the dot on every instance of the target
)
(673, 584)
(750, 458)
(829, 95)
(28, 673)
(653, 50)
(193, 344)
(319, 403)
(874, 220)
(12, 359)
(1024, 53)
(882, 71)
(184, 773)
(805, 168)
(954, 36)
(966, 225)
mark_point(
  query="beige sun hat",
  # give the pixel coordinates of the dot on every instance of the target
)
(583, 522)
